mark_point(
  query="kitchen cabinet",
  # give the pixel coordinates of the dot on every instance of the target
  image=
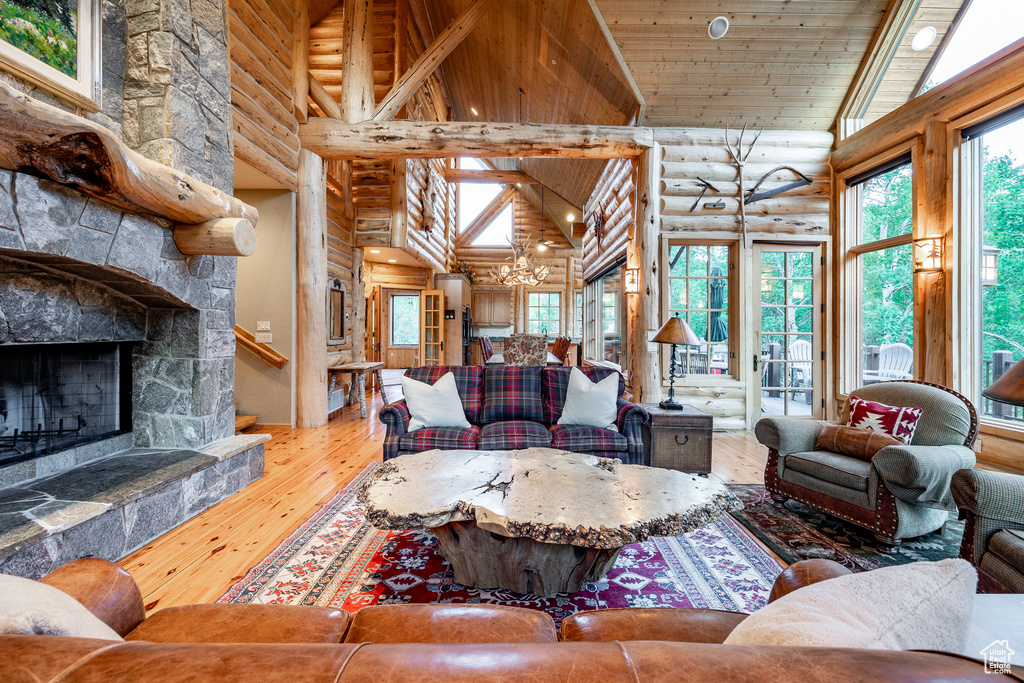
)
(492, 307)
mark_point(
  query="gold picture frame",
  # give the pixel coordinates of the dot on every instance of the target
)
(34, 45)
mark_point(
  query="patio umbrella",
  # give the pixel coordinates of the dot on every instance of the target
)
(718, 329)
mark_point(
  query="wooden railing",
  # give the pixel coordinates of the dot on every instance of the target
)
(246, 340)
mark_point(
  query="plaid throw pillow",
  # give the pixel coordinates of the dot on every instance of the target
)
(891, 420)
(512, 393)
(854, 441)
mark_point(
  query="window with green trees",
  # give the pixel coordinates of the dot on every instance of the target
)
(543, 313)
(1001, 269)
(884, 258)
(405, 319)
(699, 278)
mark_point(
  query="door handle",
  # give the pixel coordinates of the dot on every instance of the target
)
(683, 442)
(756, 359)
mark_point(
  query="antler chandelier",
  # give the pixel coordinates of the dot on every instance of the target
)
(523, 270)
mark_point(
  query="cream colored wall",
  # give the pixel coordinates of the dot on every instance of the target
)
(266, 291)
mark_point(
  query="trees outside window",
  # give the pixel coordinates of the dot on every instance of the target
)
(699, 280)
(543, 311)
(405, 320)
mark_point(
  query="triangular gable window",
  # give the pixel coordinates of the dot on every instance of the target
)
(498, 232)
(474, 197)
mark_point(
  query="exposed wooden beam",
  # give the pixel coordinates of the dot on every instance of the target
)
(461, 175)
(627, 73)
(499, 253)
(218, 237)
(430, 59)
(489, 213)
(300, 60)
(642, 253)
(75, 152)
(311, 333)
(533, 196)
(328, 105)
(876, 61)
(372, 140)
(357, 98)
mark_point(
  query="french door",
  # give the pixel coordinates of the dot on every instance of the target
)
(789, 331)
(432, 327)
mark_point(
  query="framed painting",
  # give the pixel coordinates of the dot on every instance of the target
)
(54, 44)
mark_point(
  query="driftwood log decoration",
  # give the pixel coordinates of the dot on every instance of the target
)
(428, 195)
(754, 197)
(599, 226)
(45, 141)
(739, 158)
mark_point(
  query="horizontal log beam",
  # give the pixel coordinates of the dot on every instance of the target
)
(219, 237)
(460, 175)
(371, 140)
(78, 153)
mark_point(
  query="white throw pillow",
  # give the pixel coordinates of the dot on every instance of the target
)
(919, 606)
(434, 406)
(31, 608)
(590, 403)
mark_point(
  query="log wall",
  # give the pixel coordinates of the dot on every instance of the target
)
(430, 222)
(612, 207)
(259, 47)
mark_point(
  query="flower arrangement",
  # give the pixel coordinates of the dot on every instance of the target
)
(464, 268)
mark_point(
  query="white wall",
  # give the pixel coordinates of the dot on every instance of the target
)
(266, 291)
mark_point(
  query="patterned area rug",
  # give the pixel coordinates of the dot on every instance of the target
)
(801, 533)
(337, 559)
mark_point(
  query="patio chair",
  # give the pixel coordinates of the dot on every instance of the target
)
(486, 348)
(800, 367)
(561, 350)
(526, 349)
(895, 362)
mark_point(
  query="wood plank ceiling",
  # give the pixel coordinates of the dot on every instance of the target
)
(784, 64)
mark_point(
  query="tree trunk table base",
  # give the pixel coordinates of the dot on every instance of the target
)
(483, 559)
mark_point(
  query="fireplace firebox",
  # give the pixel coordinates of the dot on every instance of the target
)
(59, 396)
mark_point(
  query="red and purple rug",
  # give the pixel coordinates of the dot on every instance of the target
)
(337, 559)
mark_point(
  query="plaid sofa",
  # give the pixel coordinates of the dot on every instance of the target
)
(515, 407)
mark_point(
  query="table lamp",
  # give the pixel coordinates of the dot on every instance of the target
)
(675, 331)
(1009, 388)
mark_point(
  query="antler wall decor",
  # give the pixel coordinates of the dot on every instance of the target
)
(739, 158)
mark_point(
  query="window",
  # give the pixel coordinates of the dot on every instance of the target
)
(882, 200)
(579, 314)
(405, 320)
(611, 317)
(997, 147)
(543, 312)
(698, 289)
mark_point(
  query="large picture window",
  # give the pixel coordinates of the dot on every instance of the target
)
(699, 278)
(405, 320)
(998, 150)
(543, 312)
(884, 289)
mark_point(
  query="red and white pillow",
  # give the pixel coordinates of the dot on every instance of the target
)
(898, 422)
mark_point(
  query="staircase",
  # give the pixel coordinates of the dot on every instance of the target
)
(243, 422)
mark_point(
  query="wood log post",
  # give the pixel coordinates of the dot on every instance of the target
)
(358, 308)
(933, 337)
(400, 204)
(568, 310)
(300, 60)
(217, 237)
(311, 245)
(642, 253)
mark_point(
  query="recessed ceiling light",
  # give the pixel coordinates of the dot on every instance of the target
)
(718, 27)
(391, 260)
(475, 112)
(375, 251)
(924, 39)
(570, 217)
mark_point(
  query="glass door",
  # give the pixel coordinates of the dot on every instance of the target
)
(432, 327)
(789, 344)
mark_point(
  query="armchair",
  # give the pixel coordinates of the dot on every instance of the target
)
(993, 505)
(904, 491)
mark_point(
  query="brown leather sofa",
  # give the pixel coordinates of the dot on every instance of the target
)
(425, 643)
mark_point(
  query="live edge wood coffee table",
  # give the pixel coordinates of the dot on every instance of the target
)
(539, 520)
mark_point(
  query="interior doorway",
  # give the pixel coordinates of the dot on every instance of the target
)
(789, 327)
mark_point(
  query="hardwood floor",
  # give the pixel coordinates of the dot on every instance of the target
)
(198, 561)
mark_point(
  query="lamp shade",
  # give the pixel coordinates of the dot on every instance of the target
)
(1009, 388)
(676, 331)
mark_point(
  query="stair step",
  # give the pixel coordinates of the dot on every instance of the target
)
(245, 421)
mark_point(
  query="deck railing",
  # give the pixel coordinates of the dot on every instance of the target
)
(991, 370)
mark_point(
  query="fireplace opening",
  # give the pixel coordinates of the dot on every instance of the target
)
(59, 396)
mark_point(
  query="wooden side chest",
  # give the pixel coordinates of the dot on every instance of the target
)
(678, 439)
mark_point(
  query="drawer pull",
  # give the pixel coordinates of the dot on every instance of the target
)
(683, 442)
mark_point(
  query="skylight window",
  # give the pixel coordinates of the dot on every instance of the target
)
(498, 233)
(986, 28)
(474, 197)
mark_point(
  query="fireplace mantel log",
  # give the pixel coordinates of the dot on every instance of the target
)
(68, 149)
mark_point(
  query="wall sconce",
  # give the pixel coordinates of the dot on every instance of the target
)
(928, 255)
(989, 266)
(631, 280)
